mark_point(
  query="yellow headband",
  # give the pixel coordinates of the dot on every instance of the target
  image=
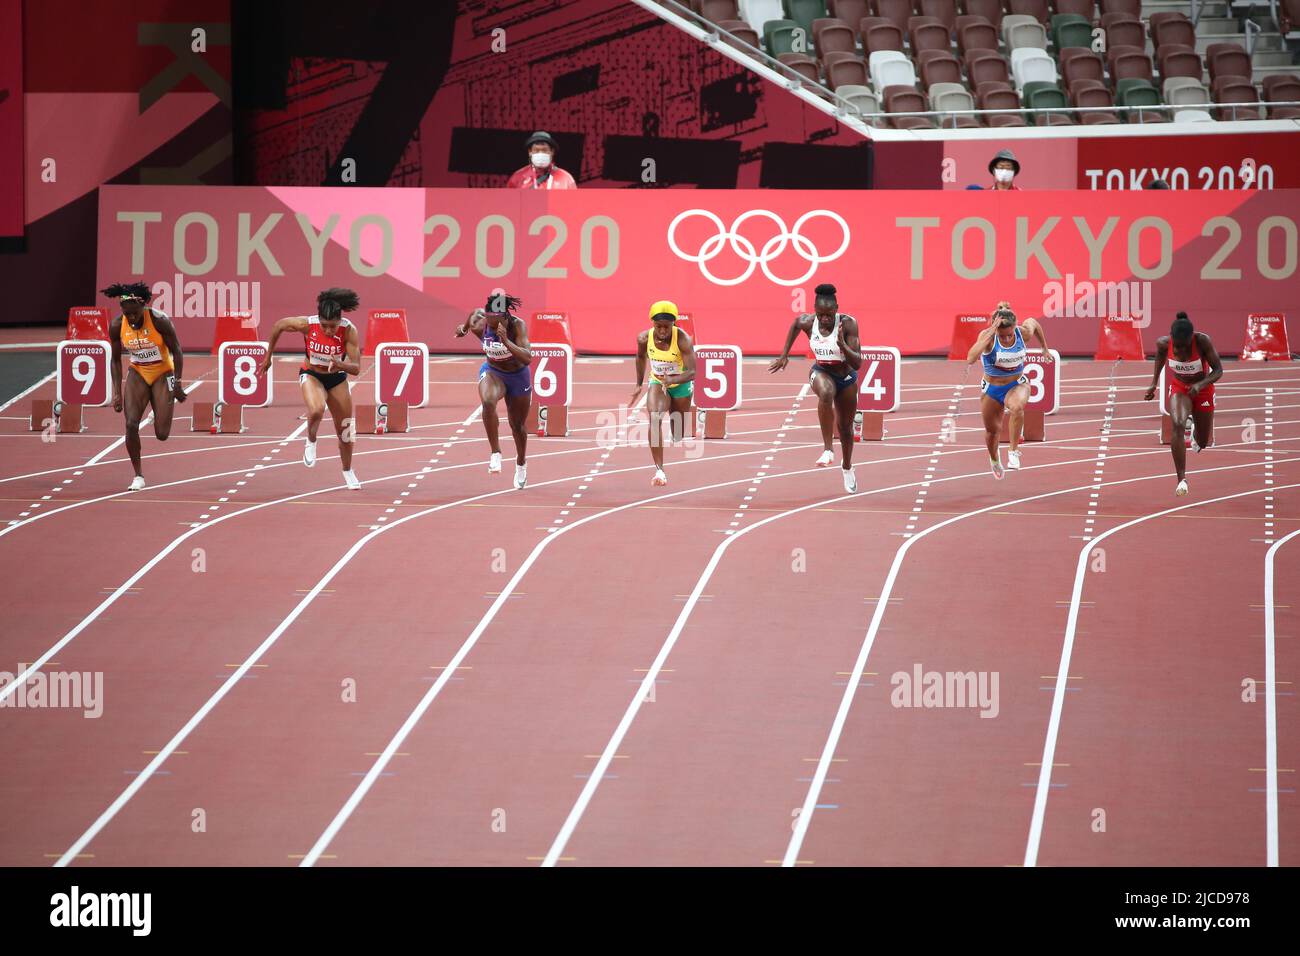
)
(663, 306)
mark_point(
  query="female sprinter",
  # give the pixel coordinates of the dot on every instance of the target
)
(671, 354)
(332, 355)
(834, 340)
(1193, 367)
(507, 373)
(1002, 347)
(154, 379)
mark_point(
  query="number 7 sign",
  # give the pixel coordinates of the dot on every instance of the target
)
(402, 373)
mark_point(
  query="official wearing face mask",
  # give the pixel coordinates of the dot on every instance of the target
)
(1005, 168)
(541, 171)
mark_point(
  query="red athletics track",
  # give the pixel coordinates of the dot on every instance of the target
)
(754, 749)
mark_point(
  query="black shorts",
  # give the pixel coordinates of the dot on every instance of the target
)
(841, 381)
(328, 379)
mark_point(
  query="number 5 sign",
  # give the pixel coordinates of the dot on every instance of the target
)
(880, 379)
(1044, 381)
(402, 373)
(83, 372)
(237, 380)
(552, 374)
(718, 377)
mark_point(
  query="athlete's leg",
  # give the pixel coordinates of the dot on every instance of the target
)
(517, 415)
(681, 413)
(339, 401)
(991, 412)
(160, 397)
(1015, 401)
(313, 396)
(657, 405)
(846, 407)
(1180, 406)
(135, 399)
(490, 391)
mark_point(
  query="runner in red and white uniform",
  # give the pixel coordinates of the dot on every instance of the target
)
(1191, 367)
(333, 353)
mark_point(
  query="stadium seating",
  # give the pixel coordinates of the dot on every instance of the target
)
(1071, 30)
(804, 12)
(1192, 116)
(1019, 32)
(896, 11)
(845, 68)
(1282, 88)
(1178, 60)
(1171, 27)
(718, 10)
(833, 36)
(1227, 59)
(902, 99)
(990, 10)
(1093, 93)
(1034, 8)
(881, 35)
(938, 66)
(863, 98)
(850, 11)
(1001, 100)
(890, 68)
(1080, 63)
(1029, 65)
(742, 31)
(803, 64)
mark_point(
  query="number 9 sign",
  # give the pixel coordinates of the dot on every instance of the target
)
(718, 377)
(237, 380)
(402, 373)
(83, 372)
(1044, 381)
(552, 374)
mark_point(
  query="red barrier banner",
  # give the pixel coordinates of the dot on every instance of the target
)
(11, 119)
(1207, 161)
(743, 263)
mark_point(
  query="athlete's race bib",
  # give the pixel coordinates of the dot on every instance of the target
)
(660, 369)
(827, 350)
(1185, 368)
(495, 349)
(145, 353)
(321, 356)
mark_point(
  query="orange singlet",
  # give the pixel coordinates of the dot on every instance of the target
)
(149, 354)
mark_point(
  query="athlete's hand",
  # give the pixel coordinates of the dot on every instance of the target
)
(778, 364)
(1194, 390)
(264, 366)
(636, 395)
(462, 329)
(1151, 393)
(178, 391)
(117, 401)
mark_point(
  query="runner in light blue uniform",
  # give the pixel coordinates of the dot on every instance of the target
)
(1001, 347)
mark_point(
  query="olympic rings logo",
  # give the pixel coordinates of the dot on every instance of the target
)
(771, 249)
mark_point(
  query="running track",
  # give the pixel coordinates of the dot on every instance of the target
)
(597, 672)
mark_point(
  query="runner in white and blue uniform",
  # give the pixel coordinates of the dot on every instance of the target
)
(506, 373)
(1001, 347)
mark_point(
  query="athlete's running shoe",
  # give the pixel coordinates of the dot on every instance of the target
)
(309, 453)
(521, 475)
(351, 478)
(660, 478)
(1013, 460)
(1181, 490)
(996, 467)
(850, 481)
(137, 483)
(494, 463)
(827, 458)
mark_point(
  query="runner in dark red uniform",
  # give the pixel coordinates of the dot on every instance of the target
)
(1191, 367)
(333, 353)
(506, 373)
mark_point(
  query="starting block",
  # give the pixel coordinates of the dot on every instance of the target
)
(712, 422)
(217, 418)
(66, 417)
(1032, 428)
(1118, 337)
(381, 419)
(869, 426)
(1266, 338)
(547, 420)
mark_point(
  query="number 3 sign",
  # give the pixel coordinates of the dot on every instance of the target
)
(237, 380)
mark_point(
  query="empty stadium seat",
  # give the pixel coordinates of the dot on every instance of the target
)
(1127, 31)
(988, 86)
(1178, 60)
(946, 97)
(1081, 8)
(977, 36)
(1184, 91)
(1236, 90)
(1047, 97)
(944, 10)
(1227, 59)
(779, 37)
(861, 97)
(1093, 93)
(902, 99)
(1192, 116)
(1129, 63)
(966, 19)
(719, 10)
(890, 68)
(1080, 63)
(929, 36)
(741, 31)
(833, 36)
(1031, 65)
(1034, 8)
(757, 13)
(1132, 7)
(938, 66)
(1169, 27)
(802, 64)
(845, 68)
(1282, 88)
(1001, 100)
(896, 11)
(1071, 30)
(985, 65)
(804, 12)
(882, 36)
(991, 10)
(850, 11)
(1022, 35)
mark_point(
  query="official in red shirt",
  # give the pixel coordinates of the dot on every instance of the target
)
(1004, 167)
(541, 171)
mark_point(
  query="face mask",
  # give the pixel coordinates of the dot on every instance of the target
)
(1003, 175)
(541, 160)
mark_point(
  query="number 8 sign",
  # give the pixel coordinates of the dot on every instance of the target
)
(1044, 381)
(237, 380)
(552, 374)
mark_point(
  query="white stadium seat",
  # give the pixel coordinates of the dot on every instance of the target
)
(1192, 116)
(890, 71)
(758, 12)
(1029, 65)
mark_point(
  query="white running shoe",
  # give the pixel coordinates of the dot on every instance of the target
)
(494, 463)
(1181, 490)
(309, 454)
(827, 458)
(1013, 460)
(351, 478)
(521, 475)
(996, 467)
(850, 481)
(660, 478)
(137, 483)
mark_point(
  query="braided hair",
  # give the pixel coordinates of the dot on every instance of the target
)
(129, 290)
(332, 303)
(502, 303)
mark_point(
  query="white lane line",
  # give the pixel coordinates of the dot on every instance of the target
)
(1067, 649)
(1270, 702)
(1103, 449)
(27, 391)
(29, 345)
(144, 421)
(1268, 465)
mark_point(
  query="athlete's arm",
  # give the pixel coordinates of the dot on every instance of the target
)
(1035, 328)
(982, 342)
(520, 348)
(1162, 352)
(800, 323)
(474, 319)
(292, 323)
(351, 362)
(115, 362)
(687, 348)
(641, 358)
(848, 341)
(1211, 356)
(173, 343)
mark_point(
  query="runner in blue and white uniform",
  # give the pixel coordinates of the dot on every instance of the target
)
(1002, 349)
(507, 374)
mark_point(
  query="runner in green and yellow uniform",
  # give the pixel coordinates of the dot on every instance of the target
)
(671, 355)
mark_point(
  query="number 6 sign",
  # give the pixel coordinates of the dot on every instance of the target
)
(83, 372)
(402, 373)
(552, 374)
(237, 380)
(718, 377)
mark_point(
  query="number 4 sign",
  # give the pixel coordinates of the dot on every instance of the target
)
(237, 380)
(879, 379)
